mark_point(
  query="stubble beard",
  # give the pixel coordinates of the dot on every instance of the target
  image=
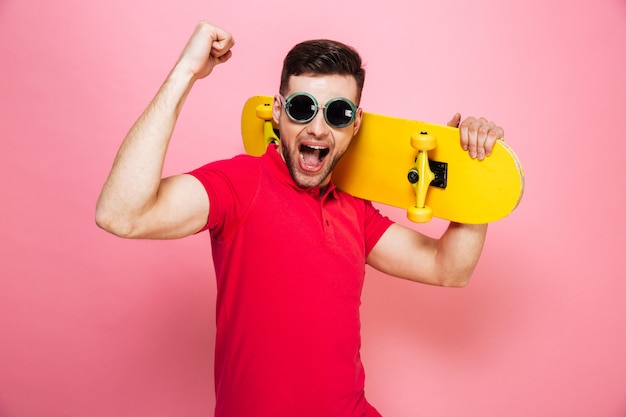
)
(301, 179)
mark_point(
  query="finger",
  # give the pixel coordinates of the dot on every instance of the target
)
(456, 119)
(464, 134)
(469, 135)
(484, 135)
(225, 57)
(495, 133)
(222, 43)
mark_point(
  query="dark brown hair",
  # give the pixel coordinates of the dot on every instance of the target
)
(323, 57)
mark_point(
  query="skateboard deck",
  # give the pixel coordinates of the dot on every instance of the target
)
(412, 165)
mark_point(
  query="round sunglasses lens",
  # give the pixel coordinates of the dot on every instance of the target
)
(340, 113)
(301, 108)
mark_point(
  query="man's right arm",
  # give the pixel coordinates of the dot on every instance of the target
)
(135, 201)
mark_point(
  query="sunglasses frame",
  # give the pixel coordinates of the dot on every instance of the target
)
(287, 105)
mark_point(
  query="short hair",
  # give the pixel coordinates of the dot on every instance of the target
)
(323, 57)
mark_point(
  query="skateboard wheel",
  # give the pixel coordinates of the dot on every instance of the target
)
(423, 141)
(264, 112)
(419, 214)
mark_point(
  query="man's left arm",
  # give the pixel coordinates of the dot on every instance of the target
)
(448, 261)
(451, 259)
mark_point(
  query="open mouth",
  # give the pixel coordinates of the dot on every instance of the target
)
(312, 156)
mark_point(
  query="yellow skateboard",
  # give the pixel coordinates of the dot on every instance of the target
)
(413, 165)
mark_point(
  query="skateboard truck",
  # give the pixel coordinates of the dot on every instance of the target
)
(440, 169)
(264, 112)
(426, 173)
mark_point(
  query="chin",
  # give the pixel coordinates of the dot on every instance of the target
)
(305, 181)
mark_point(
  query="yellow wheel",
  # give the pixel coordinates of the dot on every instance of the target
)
(419, 214)
(264, 111)
(423, 141)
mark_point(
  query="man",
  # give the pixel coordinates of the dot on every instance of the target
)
(289, 248)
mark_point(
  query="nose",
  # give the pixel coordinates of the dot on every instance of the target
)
(318, 126)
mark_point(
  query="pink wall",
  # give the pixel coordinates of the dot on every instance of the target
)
(91, 325)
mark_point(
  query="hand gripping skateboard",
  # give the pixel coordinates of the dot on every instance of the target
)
(416, 166)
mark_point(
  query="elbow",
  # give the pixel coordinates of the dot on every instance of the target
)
(113, 223)
(457, 275)
(457, 283)
(455, 280)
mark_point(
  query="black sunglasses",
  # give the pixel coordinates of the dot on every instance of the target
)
(302, 108)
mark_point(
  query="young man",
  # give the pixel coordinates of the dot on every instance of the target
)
(289, 248)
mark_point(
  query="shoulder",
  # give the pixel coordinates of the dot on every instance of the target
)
(373, 223)
(364, 206)
(235, 170)
(230, 186)
(226, 165)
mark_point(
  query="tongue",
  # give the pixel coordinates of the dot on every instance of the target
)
(311, 157)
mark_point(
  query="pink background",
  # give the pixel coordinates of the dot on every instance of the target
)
(91, 325)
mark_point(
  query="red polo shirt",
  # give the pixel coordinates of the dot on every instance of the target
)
(289, 268)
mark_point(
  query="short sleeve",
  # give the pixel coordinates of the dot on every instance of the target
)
(375, 226)
(230, 186)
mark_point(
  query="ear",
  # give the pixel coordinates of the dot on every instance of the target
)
(277, 107)
(357, 121)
